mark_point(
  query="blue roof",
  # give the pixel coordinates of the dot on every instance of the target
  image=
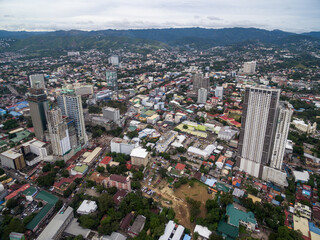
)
(210, 181)
(2, 111)
(15, 114)
(305, 192)
(23, 102)
(187, 237)
(313, 228)
(275, 202)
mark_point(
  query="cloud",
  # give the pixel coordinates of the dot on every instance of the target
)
(289, 15)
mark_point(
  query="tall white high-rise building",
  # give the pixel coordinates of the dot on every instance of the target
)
(219, 92)
(113, 60)
(249, 67)
(263, 134)
(58, 131)
(202, 95)
(71, 106)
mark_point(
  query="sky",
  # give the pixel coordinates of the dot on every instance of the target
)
(48, 15)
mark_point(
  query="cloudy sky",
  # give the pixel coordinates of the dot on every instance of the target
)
(42, 15)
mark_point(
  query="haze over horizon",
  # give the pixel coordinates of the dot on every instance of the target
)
(45, 15)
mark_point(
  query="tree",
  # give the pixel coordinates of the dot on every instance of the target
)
(132, 134)
(226, 199)
(15, 225)
(89, 221)
(10, 124)
(58, 205)
(65, 173)
(185, 126)
(46, 168)
(105, 202)
(100, 169)
(11, 203)
(95, 109)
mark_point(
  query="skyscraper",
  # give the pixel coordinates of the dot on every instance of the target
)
(59, 134)
(219, 92)
(71, 106)
(202, 95)
(263, 134)
(38, 104)
(199, 81)
(112, 79)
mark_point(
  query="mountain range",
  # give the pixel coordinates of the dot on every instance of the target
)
(191, 37)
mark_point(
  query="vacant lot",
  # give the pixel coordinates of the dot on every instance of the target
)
(179, 204)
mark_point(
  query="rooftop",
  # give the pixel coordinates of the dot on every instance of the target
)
(236, 215)
(139, 152)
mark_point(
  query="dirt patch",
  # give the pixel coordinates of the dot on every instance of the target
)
(179, 204)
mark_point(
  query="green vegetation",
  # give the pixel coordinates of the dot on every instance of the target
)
(10, 124)
(194, 208)
(95, 109)
(116, 104)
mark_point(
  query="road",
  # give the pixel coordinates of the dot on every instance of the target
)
(12, 90)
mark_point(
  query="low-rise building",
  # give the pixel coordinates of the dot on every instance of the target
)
(87, 207)
(118, 181)
(165, 140)
(307, 128)
(172, 231)
(137, 226)
(237, 217)
(57, 225)
(203, 232)
(302, 210)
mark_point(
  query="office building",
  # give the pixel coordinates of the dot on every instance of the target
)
(112, 114)
(124, 146)
(219, 92)
(37, 81)
(202, 95)
(249, 67)
(199, 81)
(58, 130)
(38, 104)
(13, 159)
(71, 106)
(139, 156)
(112, 79)
(263, 134)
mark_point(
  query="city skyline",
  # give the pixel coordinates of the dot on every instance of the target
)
(291, 16)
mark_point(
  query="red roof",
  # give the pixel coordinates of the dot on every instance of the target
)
(180, 166)
(117, 198)
(66, 180)
(118, 178)
(230, 162)
(235, 123)
(212, 157)
(106, 160)
(15, 193)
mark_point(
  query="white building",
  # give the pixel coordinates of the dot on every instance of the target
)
(71, 106)
(202, 95)
(249, 67)
(227, 133)
(37, 81)
(87, 207)
(302, 126)
(204, 232)
(113, 60)
(172, 231)
(120, 145)
(262, 118)
(201, 153)
(165, 140)
(219, 92)
(139, 156)
(112, 114)
(303, 210)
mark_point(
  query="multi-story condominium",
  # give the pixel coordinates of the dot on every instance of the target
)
(199, 81)
(112, 79)
(263, 134)
(249, 67)
(37, 81)
(112, 114)
(219, 92)
(71, 106)
(202, 95)
(59, 134)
